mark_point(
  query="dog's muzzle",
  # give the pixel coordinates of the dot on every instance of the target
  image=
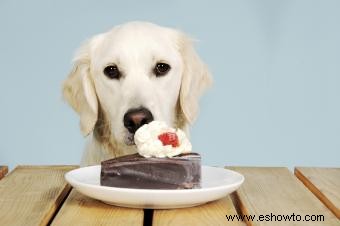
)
(133, 119)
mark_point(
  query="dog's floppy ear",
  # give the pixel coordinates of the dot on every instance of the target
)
(79, 90)
(195, 79)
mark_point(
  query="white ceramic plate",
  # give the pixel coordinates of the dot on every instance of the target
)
(216, 183)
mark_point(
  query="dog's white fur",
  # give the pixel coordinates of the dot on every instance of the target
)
(135, 48)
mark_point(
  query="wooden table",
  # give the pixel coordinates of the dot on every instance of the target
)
(39, 195)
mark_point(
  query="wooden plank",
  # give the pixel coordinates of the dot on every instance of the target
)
(324, 183)
(30, 195)
(213, 213)
(3, 171)
(81, 210)
(276, 192)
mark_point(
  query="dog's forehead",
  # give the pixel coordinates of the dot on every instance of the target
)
(140, 33)
(139, 40)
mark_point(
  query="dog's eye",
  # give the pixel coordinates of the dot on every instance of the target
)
(112, 72)
(161, 69)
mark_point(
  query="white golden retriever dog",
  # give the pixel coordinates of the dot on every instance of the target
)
(133, 74)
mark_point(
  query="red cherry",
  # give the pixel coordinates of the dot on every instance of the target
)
(169, 138)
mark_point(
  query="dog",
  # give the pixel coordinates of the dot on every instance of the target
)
(135, 73)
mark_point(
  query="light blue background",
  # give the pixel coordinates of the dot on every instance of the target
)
(276, 66)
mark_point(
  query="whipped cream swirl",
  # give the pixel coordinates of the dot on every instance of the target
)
(148, 144)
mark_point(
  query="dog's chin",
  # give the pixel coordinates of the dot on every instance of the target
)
(129, 139)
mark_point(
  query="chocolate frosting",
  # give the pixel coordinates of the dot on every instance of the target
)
(135, 171)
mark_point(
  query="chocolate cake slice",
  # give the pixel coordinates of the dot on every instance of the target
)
(135, 171)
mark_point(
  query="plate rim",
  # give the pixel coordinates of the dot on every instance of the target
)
(76, 183)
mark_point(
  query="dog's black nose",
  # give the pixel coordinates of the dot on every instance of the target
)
(136, 117)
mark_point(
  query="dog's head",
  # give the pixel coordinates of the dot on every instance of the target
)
(133, 74)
